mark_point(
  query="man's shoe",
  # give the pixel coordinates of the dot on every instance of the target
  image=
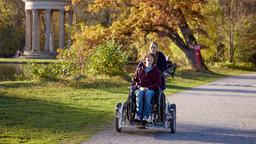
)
(137, 118)
(145, 120)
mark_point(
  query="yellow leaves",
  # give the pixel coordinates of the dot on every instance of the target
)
(99, 5)
(68, 8)
(130, 19)
(76, 1)
(93, 34)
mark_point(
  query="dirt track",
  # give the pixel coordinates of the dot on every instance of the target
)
(222, 112)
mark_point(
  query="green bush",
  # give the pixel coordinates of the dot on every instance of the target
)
(107, 58)
(75, 61)
(48, 72)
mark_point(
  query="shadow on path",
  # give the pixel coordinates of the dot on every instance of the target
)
(233, 85)
(197, 133)
(223, 90)
(244, 77)
(208, 134)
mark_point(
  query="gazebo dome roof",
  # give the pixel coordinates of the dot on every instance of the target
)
(47, 0)
(46, 4)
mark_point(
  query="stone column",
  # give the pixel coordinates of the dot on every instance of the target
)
(51, 44)
(48, 29)
(62, 29)
(28, 43)
(38, 31)
(70, 22)
(35, 32)
(52, 50)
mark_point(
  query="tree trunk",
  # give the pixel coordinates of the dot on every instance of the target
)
(196, 61)
(231, 44)
(186, 44)
(191, 55)
(76, 16)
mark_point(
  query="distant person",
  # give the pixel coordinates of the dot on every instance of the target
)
(18, 54)
(160, 62)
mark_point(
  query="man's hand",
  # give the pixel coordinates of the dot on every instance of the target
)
(165, 74)
(143, 88)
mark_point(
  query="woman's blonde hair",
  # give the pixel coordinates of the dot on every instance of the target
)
(154, 43)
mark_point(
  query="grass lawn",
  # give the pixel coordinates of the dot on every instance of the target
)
(18, 60)
(37, 112)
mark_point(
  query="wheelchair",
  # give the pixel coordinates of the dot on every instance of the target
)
(171, 68)
(162, 115)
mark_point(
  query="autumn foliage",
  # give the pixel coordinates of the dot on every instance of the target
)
(131, 20)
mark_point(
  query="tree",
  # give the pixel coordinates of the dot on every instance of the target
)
(230, 33)
(212, 34)
(139, 18)
(247, 42)
(11, 27)
(236, 13)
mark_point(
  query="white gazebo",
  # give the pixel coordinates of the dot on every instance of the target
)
(35, 10)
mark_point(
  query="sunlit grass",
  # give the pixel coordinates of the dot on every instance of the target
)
(49, 113)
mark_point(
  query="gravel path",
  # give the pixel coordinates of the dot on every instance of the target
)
(222, 112)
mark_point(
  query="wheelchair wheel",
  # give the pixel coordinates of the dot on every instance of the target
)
(173, 118)
(130, 108)
(130, 111)
(118, 117)
(161, 106)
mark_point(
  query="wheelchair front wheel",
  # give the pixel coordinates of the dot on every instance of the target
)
(118, 117)
(173, 118)
(161, 106)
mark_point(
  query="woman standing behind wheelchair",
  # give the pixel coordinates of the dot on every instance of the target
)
(147, 80)
(161, 62)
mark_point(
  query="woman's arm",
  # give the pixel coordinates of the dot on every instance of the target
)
(136, 78)
(163, 62)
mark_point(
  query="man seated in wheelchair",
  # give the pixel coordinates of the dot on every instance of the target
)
(147, 81)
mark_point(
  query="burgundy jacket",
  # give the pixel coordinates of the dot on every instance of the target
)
(151, 79)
